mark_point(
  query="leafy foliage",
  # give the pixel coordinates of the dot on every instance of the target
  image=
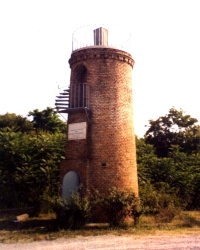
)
(73, 213)
(169, 154)
(175, 128)
(16, 122)
(168, 161)
(161, 201)
(29, 166)
(47, 120)
(117, 205)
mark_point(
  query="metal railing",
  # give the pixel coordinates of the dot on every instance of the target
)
(118, 37)
(79, 95)
(75, 97)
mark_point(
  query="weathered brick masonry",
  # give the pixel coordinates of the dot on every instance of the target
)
(107, 157)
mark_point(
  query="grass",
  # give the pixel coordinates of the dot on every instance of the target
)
(44, 227)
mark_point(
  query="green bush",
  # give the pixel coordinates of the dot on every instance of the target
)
(136, 211)
(118, 205)
(166, 215)
(29, 167)
(73, 213)
(162, 202)
(148, 198)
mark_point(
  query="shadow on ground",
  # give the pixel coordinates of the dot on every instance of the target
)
(190, 221)
(31, 225)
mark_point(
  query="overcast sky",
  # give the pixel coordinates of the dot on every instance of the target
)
(36, 42)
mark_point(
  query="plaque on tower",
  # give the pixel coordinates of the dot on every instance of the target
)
(77, 131)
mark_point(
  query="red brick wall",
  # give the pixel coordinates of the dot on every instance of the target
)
(110, 134)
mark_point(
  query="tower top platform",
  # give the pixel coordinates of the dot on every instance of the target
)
(101, 35)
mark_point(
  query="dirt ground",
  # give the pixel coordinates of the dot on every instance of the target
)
(110, 242)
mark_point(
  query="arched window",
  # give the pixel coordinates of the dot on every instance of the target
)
(79, 89)
(77, 96)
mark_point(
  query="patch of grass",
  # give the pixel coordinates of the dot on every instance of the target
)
(44, 227)
(189, 219)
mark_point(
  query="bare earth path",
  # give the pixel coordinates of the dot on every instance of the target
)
(169, 242)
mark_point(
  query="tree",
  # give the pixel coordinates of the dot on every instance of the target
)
(175, 128)
(47, 120)
(179, 174)
(29, 161)
(17, 122)
(146, 158)
(29, 166)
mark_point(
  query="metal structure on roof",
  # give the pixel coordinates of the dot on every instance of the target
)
(117, 37)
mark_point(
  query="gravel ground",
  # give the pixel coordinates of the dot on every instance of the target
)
(169, 242)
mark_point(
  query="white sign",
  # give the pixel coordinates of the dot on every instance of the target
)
(77, 131)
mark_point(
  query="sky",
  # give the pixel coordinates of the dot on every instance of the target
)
(36, 44)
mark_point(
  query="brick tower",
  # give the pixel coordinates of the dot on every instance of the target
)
(100, 149)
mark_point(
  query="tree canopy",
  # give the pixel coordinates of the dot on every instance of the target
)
(17, 122)
(175, 128)
(30, 161)
(168, 158)
(47, 120)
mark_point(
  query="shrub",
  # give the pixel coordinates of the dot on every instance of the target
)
(136, 211)
(166, 215)
(118, 204)
(162, 202)
(73, 213)
(149, 199)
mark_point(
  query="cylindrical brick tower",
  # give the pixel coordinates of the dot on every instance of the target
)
(100, 149)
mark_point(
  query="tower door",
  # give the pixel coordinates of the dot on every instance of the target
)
(70, 184)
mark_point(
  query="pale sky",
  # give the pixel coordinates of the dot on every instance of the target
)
(36, 42)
